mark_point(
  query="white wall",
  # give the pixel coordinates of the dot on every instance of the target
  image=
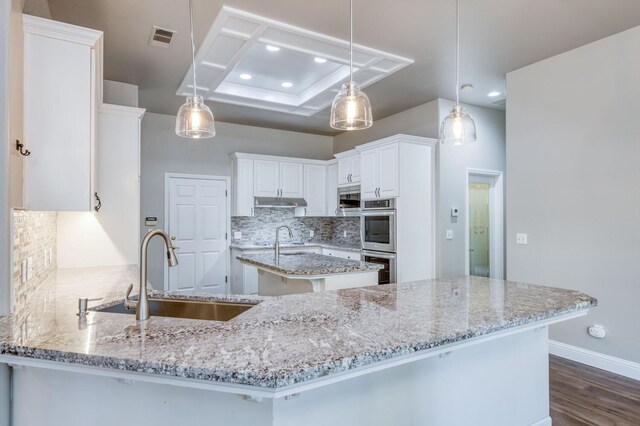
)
(573, 154)
(111, 236)
(451, 164)
(163, 151)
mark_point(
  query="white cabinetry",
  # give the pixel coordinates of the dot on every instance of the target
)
(62, 90)
(332, 188)
(380, 172)
(315, 192)
(278, 179)
(348, 168)
(341, 254)
(242, 187)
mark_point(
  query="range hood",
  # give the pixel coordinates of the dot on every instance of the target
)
(279, 202)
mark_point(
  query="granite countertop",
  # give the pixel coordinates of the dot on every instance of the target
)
(308, 264)
(265, 245)
(282, 340)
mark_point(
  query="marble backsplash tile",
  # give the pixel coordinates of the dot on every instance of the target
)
(34, 237)
(262, 226)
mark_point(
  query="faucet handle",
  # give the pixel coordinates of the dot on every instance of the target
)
(128, 303)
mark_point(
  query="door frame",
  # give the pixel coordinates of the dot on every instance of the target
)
(167, 180)
(496, 221)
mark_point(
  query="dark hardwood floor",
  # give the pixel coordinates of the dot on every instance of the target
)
(582, 395)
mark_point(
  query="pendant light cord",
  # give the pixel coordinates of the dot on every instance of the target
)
(193, 50)
(350, 43)
(457, 52)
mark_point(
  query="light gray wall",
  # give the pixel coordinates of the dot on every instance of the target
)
(163, 151)
(451, 163)
(573, 154)
(418, 121)
(487, 153)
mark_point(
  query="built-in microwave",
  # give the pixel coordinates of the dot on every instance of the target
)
(348, 201)
(378, 226)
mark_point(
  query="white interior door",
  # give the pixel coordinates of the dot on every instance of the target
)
(198, 222)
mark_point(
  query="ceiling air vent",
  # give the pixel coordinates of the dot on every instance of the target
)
(161, 36)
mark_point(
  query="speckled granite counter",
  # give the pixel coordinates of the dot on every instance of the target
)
(308, 264)
(269, 246)
(281, 341)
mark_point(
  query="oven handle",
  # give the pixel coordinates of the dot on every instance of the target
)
(378, 254)
(378, 212)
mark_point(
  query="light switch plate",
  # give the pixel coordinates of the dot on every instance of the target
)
(449, 234)
(23, 271)
(521, 239)
(29, 268)
(237, 235)
(312, 233)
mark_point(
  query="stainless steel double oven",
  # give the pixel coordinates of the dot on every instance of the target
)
(378, 235)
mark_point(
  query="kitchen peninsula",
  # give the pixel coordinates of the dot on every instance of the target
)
(449, 352)
(301, 272)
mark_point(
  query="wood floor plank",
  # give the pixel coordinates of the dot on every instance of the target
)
(581, 395)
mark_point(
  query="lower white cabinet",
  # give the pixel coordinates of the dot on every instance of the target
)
(353, 255)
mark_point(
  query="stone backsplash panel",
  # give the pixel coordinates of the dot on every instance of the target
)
(34, 233)
(262, 227)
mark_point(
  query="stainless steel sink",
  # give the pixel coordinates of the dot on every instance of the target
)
(193, 309)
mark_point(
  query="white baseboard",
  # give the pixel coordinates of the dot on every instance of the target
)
(609, 363)
(544, 422)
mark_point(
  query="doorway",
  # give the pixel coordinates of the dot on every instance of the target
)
(485, 223)
(197, 218)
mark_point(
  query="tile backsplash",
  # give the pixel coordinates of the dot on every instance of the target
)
(34, 238)
(262, 226)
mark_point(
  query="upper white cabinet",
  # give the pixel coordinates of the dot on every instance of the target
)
(380, 172)
(62, 91)
(242, 186)
(348, 168)
(332, 188)
(315, 183)
(278, 179)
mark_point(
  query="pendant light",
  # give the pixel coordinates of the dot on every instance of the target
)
(351, 109)
(458, 127)
(194, 119)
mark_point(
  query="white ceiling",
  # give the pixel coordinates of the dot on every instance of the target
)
(497, 36)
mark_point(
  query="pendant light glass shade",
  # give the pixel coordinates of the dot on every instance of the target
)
(458, 128)
(195, 119)
(351, 109)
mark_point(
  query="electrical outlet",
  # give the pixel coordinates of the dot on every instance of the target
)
(521, 239)
(29, 268)
(344, 234)
(312, 233)
(237, 235)
(449, 234)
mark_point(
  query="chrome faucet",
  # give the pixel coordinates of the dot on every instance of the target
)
(277, 245)
(142, 305)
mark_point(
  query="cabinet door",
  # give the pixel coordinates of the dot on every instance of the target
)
(266, 178)
(388, 171)
(369, 175)
(243, 186)
(315, 191)
(344, 170)
(291, 180)
(355, 169)
(332, 189)
(59, 119)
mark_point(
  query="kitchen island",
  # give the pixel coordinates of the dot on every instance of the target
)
(301, 272)
(456, 351)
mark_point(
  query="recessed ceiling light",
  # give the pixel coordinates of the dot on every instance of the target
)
(272, 48)
(287, 84)
(320, 60)
(245, 76)
(493, 94)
